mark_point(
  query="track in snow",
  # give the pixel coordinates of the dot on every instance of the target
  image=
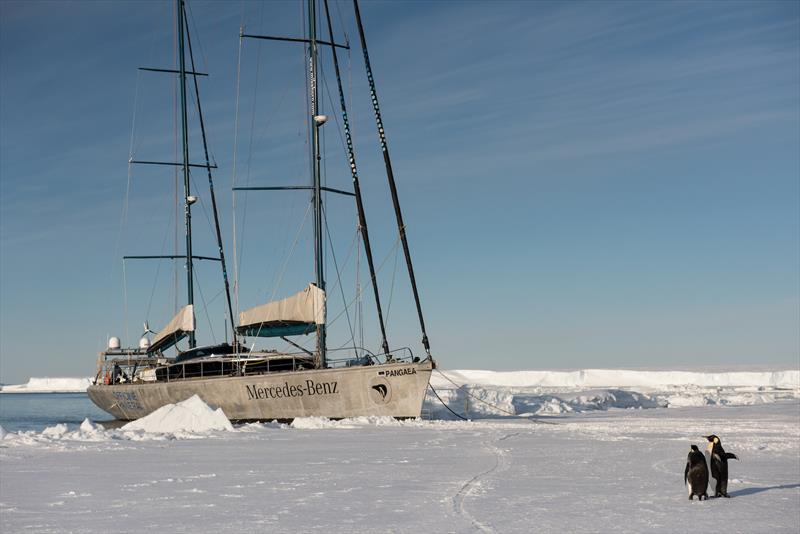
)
(468, 488)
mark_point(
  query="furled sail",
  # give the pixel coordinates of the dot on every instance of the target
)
(292, 316)
(176, 329)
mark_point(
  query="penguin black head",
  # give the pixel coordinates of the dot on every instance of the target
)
(713, 443)
(695, 449)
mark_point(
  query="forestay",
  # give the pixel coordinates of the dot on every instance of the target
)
(292, 316)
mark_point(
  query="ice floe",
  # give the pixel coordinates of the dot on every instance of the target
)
(49, 385)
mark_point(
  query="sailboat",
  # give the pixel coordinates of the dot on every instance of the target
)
(269, 385)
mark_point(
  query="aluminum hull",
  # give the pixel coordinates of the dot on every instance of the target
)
(394, 389)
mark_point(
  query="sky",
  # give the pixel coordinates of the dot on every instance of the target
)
(584, 184)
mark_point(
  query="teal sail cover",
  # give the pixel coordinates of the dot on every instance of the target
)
(277, 330)
(293, 316)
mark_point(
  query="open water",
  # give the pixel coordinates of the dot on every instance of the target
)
(37, 411)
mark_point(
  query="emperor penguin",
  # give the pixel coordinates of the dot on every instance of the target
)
(719, 465)
(695, 476)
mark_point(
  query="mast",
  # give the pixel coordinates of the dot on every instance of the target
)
(316, 122)
(362, 218)
(390, 176)
(186, 185)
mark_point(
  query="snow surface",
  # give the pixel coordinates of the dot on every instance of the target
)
(49, 385)
(604, 471)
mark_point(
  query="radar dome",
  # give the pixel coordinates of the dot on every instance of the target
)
(113, 343)
(144, 343)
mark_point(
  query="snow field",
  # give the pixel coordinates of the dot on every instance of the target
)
(602, 471)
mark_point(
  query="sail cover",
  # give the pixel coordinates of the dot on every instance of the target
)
(176, 329)
(293, 316)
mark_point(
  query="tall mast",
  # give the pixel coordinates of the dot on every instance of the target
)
(316, 122)
(401, 227)
(186, 188)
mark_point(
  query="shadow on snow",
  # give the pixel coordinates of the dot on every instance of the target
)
(753, 491)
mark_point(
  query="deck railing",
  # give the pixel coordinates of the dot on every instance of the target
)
(121, 370)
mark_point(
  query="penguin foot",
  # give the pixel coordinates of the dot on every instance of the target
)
(726, 495)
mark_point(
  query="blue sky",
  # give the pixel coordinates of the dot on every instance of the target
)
(598, 184)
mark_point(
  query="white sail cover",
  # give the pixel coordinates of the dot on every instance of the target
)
(175, 330)
(307, 306)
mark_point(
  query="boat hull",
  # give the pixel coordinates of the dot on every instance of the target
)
(394, 389)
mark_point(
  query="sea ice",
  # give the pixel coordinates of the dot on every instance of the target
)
(600, 471)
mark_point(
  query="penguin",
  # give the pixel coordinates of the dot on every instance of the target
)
(719, 465)
(695, 476)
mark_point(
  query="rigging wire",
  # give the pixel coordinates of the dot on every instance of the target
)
(360, 303)
(122, 235)
(347, 259)
(344, 28)
(198, 41)
(380, 267)
(288, 257)
(338, 273)
(335, 117)
(157, 276)
(360, 291)
(203, 206)
(306, 53)
(351, 112)
(391, 287)
(204, 211)
(123, 223)
(250, 144)
(205, 309)
(337, 284)
(125, 301)
(233, 175)
(134, 144)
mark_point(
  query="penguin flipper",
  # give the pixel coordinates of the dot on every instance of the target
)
(686, 473)
(730, 455)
